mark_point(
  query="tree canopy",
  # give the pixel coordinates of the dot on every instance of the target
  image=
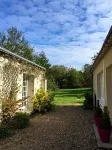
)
(87, 74)
(15, 41)
(66, 77)
(42, 60)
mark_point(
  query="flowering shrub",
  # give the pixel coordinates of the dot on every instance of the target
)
(43, 101)
(10, 105)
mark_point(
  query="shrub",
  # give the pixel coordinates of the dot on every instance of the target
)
(51, 84)
(43, 101)
(88, 102)
(10, 104)
(98, 111)
(105, 124)
(20, 120)
(4, 132)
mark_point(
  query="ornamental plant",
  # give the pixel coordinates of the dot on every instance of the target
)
(106, 123)
(88, 102)
(98, 111)
(20, 120)
(10, 105)
(43, 101)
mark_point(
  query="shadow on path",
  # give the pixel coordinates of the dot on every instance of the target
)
(68, 128)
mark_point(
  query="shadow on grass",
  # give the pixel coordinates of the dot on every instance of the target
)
(70, 95)
(73, 96)
(72, 91)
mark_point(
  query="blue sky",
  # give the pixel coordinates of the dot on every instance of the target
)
(70, 32)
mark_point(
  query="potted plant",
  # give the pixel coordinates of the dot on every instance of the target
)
(98, 114)
(105, 127)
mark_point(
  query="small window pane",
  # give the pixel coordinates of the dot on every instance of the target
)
(25, 86)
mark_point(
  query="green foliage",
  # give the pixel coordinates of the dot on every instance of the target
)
(105, 124)
(20, 120)
(42, 60)
(51, 85)
(14, 41)
(43, 101)
(66, 77)
(98, 111)
(87, 74)
(88, 102)
(10, 104)
(94, 57)
(4, 132)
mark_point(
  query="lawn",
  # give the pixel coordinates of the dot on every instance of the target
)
(70, 96)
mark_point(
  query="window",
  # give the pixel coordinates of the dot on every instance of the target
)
(100, 85)
(24, 89)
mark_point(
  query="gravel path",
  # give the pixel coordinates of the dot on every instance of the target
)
(68, 128)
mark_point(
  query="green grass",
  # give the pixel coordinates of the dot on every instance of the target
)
(70, 96)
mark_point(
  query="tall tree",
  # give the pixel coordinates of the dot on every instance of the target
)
(94, 57)
(66, 77)
(42, 60)
(58, 72)
(15, 41)
(87, 74)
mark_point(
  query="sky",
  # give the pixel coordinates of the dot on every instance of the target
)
(70, 32)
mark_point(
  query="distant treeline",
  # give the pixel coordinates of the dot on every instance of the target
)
(64, 77)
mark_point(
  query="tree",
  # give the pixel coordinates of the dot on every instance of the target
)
(87, 74)
(66, 77)
(14, 41)
(58, 72)
(72, 78)
(42, 60)
(94, 57)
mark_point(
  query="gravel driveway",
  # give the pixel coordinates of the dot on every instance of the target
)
(68, 128)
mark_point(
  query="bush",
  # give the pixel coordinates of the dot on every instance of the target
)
(88, 102)
(10, 104)
(105, 124)
(43, 101)
(98, 111)
(51, 85)
(4, 132)
(20, 120)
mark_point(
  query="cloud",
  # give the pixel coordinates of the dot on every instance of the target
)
(64, 30)
(67, 55)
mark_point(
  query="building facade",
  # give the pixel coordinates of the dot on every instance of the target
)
(22, 74)
(102, 74)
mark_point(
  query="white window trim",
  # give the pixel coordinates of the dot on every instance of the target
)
(24, 104)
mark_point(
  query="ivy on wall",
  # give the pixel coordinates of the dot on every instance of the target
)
(12, 68)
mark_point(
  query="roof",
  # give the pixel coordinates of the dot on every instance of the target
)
(5, 51)
(105, 47)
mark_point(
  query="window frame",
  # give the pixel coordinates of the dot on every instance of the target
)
(24, 86)
(100, 87)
